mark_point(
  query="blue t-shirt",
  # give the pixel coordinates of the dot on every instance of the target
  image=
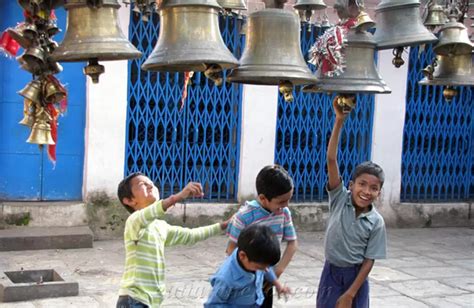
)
(252, 212)
(350, 239)
(233, 286)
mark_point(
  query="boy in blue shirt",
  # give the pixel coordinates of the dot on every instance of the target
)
(275, 189)
(355, 235)
(239, 280)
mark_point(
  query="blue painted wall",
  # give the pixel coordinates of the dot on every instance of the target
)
(25, 171)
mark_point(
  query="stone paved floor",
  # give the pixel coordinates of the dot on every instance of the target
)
(425, 268)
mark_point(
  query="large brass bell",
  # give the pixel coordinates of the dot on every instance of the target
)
(307, 6)
(449, 71)
(272, 54)
(32, 91)
(454, 70)
(232, 4)
(190, 39)
(399, 25)
(360, 74)
(453, 39)
(435, 17)
(41, 130)
(93, 34)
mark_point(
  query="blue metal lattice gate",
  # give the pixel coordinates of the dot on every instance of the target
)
(438, 139)
(303, 130)
(175, 144)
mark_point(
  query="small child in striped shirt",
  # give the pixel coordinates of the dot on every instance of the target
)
(146, 236)
(274, 189)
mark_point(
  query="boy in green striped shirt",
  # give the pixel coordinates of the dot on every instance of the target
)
(146, 236)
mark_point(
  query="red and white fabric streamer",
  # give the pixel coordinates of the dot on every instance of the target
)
(327, 53)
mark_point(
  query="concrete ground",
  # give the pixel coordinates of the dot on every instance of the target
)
(425, 268)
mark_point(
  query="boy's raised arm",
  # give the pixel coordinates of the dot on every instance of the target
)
(334, 178)
(142, 218)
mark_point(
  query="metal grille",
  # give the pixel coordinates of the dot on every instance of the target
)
(438, 143)
(173, 143)
(303, 130)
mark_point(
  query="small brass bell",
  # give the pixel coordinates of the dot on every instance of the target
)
(53, 93)
(24, 34)
(41, 130)
(272, 54)
(32, 91)
(28, 113)
(453, 39)
(232, 4)
(364, 22)
(435, 17)
(93, 34)
(346, 101)
(190, 39)
(52, 28)
(307, 6)
(449, 93)
(33, 60)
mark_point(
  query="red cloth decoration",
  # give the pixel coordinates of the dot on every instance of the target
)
(327, 53)
(8, 45)
(54, 132)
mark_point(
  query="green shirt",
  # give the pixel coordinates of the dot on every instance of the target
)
(145, 238)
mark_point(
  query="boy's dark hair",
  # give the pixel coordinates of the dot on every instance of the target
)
(124, 190)
(369, 167)
(273, 181)
(260, 244)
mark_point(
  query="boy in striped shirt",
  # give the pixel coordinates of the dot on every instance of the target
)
(146, 236)
(274, 190)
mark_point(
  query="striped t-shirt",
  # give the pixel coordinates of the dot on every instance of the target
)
(145, 238)
(253, 213)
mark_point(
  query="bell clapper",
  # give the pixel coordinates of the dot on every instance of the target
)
(214, 73)
(286, 88)
(397, 61)
(347, 102)
(93, 70)
(449, 93)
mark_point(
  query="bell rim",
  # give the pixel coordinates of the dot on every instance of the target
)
(462, 49)
(188, 66)
(208, 3)
(391, 6)
(276, 79)
(448, 81)
(388, 44)
(309, 7)
(351, 85)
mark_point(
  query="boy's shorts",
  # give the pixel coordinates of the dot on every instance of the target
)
(335, 281)
(126, 301)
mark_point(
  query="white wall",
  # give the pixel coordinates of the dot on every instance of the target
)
(258, 132)
(389, 118)
(105, 124)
